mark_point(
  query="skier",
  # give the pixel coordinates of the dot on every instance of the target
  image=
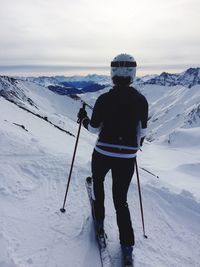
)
(120, 118)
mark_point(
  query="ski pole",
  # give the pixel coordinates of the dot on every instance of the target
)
(72, 163)
(149, 172)
(140, 198)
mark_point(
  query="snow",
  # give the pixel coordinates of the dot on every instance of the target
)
(171, 108)
(34, 167)
(33, 173)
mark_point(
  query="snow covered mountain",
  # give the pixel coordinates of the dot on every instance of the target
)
(11, 89)
(188, 78)
(45, 81)
(40, 101)
(172, 109)
(35, 161)
(72, 85)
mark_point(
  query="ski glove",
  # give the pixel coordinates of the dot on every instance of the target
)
(82, 114)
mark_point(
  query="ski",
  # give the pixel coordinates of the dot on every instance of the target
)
(127, 261)
(128, 265)
(101, 240)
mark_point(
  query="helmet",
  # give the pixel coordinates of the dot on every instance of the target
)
(123, 69)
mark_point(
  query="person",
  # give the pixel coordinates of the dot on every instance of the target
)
(120, 119)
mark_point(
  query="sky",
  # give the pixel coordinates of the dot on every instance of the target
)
(41, 37)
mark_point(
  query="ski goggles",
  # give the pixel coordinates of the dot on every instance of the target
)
(126, 64)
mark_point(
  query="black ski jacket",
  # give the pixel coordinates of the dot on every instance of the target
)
(120, 116)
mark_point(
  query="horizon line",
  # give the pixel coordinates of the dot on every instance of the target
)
(56, 70)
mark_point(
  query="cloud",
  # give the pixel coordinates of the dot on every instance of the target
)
(91, 32)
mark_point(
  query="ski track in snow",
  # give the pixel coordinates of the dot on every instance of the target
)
(41, 235)
(35, 233)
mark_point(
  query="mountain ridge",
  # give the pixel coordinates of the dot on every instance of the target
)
(188, 78)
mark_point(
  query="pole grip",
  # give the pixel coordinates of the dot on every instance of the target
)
(83, 107)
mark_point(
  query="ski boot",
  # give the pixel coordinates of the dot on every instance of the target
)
(127, 256)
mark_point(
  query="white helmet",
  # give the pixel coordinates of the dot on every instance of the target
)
(123, 66)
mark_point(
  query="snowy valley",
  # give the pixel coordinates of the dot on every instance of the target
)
(37, 136)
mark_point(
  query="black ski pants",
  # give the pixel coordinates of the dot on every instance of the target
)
(122, 171)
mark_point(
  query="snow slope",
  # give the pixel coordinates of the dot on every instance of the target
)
(34, 166)
(38, 98)
(171, 109)
(33, 173)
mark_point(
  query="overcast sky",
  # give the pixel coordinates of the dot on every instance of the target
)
(163, 35)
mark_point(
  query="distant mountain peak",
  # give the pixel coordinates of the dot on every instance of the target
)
(188, 78)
